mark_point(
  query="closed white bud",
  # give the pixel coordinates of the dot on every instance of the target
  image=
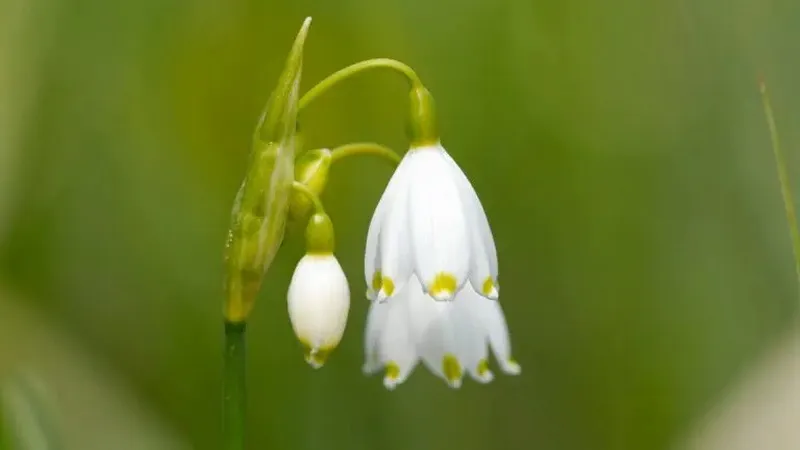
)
(319, 302)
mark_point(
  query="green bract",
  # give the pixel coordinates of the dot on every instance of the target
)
(311, 170)
(261, 207)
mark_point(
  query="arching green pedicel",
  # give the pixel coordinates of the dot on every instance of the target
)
(423, 129)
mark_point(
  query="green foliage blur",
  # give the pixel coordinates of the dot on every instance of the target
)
(619, 148)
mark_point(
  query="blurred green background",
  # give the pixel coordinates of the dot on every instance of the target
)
(619, 148)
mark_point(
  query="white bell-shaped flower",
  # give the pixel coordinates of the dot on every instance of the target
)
(319, 302)
(431, 224)
(449, 337)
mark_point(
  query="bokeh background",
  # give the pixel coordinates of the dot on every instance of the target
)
(619, 147)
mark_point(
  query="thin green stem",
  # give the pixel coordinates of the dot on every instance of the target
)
(365, 148)
(234, 386)
(343, 74)
(303, 189)
(783, 176)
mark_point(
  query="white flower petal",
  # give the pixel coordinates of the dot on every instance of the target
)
(372, 253)
(435, 337)
(396, 347)
(494, 323)
(471, 335)
(483, 267)
(440, 237)
(318, 304)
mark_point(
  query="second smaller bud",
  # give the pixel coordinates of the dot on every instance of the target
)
(319, 295)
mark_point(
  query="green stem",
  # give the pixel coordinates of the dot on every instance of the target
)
(303, 189)
(783, 176)
(343, 74)
(234, 386)
(365, 148)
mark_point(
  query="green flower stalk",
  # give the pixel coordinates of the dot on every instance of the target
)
(257, 228)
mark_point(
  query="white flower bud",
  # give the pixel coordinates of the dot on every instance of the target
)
(319, 302)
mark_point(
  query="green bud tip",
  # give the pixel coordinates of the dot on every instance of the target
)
(319, 235)
(280, 114)
(423, 129)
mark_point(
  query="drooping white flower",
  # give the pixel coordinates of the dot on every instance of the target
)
(448, 337)
(319, 302)
(430, 223)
